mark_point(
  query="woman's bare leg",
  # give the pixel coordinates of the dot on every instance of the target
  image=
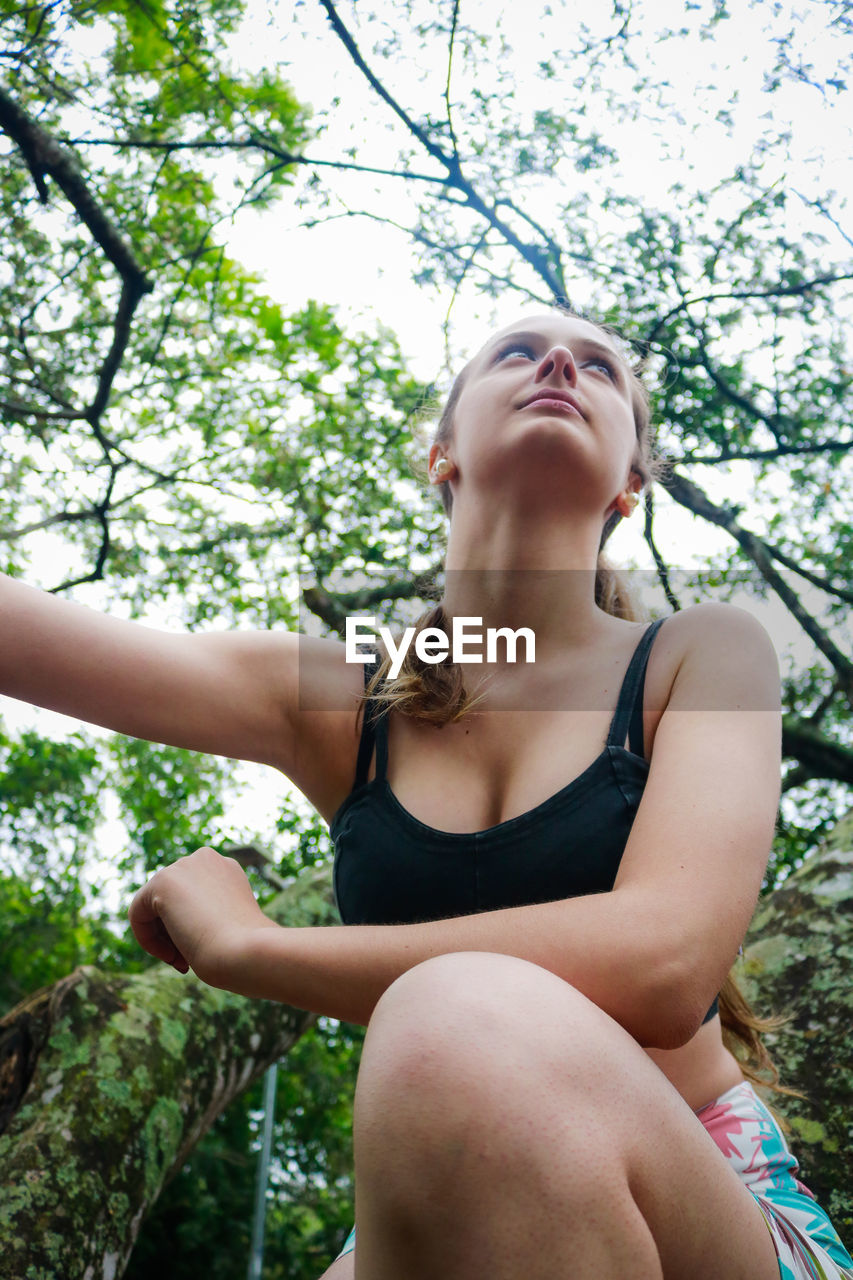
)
(342, 1268)
(505, 1126)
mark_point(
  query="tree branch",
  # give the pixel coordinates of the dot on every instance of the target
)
(453, 25)
(781, 291)
(763, 455)
(46, 158)
(101, 513)
(63, 517)
(817, 755)
(19, 409)
(255, 142)
(448, 162)
(420, 237)
(533, 255)
(660, 563)
(689, 495)
(333, 608)
(110, 367)
(771, 420)
(814, 578)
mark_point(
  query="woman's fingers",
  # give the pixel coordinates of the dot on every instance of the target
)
(196, 913)
(150, 931)
(166, 949)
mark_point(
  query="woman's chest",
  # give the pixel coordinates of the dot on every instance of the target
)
(508, 806)
(523, 743)
(490, 769)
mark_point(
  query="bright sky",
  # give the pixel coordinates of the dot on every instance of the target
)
(366, 267)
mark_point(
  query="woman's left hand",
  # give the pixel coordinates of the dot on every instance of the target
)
(197, 914)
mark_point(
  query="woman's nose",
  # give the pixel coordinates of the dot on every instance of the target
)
(561, 360)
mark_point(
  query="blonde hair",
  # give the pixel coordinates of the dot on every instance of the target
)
(436, 694)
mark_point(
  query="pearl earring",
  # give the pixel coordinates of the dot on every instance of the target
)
(441, 468)
(632, 499)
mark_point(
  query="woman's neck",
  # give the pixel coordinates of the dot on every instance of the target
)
(539, 575)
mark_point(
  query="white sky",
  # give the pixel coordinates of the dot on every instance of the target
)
(366, 268)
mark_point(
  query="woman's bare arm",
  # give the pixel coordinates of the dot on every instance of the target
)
(230, 693)
(652, 952)
(199, 913)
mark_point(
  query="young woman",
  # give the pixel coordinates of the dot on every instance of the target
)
(546, 874)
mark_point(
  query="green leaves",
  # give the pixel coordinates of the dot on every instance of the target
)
(210, 454)
(172, 801)
(45, 934)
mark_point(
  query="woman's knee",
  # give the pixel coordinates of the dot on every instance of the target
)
(480, 1072)
(444, 1014)
(455, 1002)
(468, 1037)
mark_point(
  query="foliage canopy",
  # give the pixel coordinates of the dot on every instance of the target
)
(179, 443)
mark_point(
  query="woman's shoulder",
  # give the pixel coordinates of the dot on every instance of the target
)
(710, 624)
(717, 645)
(708, 657)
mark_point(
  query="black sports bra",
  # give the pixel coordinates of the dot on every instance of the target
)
(392, 869)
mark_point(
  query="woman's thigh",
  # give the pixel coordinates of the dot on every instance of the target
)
(549, 1063)
(342, 1268)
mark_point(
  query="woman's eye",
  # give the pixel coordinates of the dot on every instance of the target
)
(605, 365)
(516, 348)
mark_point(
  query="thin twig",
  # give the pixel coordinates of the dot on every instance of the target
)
(689, 495)
(532, 254)
(453, 24)
(762, 455)
(660, 563)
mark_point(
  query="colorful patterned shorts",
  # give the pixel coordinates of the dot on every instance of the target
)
(807, 1245)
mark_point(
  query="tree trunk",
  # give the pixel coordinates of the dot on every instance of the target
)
(107, 1082)
(799, 961)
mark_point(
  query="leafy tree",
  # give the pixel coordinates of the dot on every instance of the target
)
(167, 433)
(177, 443)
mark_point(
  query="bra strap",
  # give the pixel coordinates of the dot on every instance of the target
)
(628, 716)
(371, 732)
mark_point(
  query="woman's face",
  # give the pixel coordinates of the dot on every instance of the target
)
(547, 400)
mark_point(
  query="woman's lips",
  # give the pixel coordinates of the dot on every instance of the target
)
(552, 402)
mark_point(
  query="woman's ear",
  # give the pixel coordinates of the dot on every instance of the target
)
(440, 466)
(629, 499)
